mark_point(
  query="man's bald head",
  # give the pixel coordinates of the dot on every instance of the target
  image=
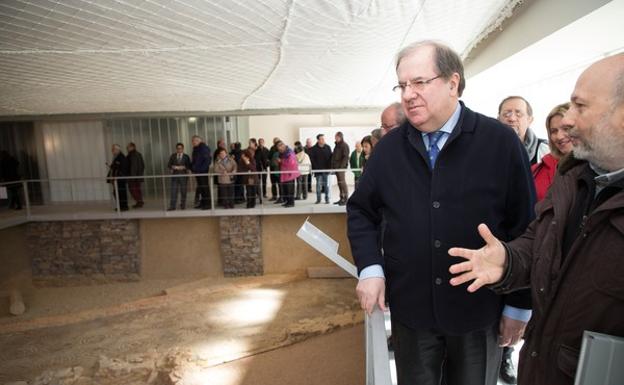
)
(392, 117)
(596, 114)
(618, 84)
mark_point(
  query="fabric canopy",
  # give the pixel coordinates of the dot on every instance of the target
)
(107, 56)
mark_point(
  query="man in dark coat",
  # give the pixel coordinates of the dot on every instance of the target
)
(340, 160)
(136, 168)
(262, 158)
(432, 180)
(119, 167)
(9, 173)
(571, 256)
(276, 195)
(320, 157)
(200, 164)
(179, 164)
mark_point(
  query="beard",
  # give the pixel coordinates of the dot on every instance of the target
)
(603, 146)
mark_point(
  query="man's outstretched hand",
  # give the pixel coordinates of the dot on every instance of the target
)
(484, 266)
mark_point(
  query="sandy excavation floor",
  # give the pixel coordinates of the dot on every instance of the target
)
(203, 325)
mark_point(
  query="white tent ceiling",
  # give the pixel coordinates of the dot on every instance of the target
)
(106, 56)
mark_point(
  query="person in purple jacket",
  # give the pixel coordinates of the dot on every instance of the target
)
(289, 168)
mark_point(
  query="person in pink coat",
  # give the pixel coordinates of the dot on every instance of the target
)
(289, 168)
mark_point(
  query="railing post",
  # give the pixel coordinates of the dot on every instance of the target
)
(259, 193)
(26, 199)
(212, 194)
(370, 375)
(165, 193)
(71, 190)
(116, 195)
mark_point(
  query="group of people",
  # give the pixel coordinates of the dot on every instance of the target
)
(242, 173)
(122, 165)
(478, 235)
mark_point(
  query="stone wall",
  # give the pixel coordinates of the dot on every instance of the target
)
(241, 245)
(84, 252)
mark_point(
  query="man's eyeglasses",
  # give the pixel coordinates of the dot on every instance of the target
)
(415, 84)
(509, 113)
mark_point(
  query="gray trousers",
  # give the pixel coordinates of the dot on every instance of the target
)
(178, 184)
(426, 357)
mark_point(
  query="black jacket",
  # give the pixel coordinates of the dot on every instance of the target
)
(9, 166)
(136, 166)
(320, 157)
(200, 163)
(262, 158)
(185, 161)
(119, 167)
(482, 175)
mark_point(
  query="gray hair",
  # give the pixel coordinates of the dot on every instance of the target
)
(198, 137)
(400, 114)
(446, 60)
(116, 146)
(376, 133)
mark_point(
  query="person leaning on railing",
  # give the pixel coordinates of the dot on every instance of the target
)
(119, 168)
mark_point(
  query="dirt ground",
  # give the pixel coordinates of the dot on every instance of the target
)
(210, 326)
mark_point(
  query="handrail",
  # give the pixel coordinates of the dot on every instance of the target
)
(377, 355)
(159, 176)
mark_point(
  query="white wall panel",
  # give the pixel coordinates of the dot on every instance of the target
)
(75, 150)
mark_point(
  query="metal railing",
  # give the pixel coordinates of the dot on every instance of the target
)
(378, 364)
(106, 191)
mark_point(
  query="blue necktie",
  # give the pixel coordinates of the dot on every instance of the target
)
(434, 150)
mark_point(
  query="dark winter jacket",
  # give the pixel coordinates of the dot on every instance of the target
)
(200, 163)
(136, 166)
(119, 167)
(340, 156)
(482, 175)
(262, 158)
(320, 157)
(8, 168)
(250, 167)
(185, 162)
(580, 290)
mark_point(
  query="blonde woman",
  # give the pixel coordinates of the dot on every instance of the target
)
(560, 145)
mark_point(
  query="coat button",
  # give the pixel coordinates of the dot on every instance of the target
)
(534, 354)
(541, 289)
(436, 205)
(437, 244)
(438, 281)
